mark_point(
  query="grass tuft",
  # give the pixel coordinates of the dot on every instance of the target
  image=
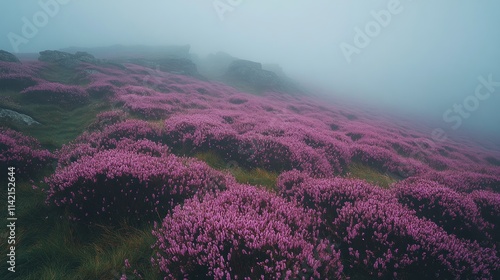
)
(370, 175)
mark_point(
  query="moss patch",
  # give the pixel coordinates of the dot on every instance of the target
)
(256, 176)
(369, 174)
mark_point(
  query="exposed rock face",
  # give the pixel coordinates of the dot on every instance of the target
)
(216, 65)
(66, 59)
(252, 73)
(17, 117)
(8, 57)
(125, 52)
(181, 66)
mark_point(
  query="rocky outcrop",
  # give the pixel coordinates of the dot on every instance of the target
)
(8, 57)
(124, 52)
(17, 117)
(251, 73)
(181, 66)
(66, 59)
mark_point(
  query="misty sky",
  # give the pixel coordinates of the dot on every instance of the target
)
(425, 58)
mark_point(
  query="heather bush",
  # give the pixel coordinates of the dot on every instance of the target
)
(16, 81)
(386, 160)
(327, 196)
(100, 89)
(18, 76)
(243, 233)
(384, 239)
(156, 105)
(489, 205)
(108, 137)
(266, 152)
(118, 183)
(105, 119)
(456, 213)
(199, 132)
(22, 152)
(465, 181)
(55, 93)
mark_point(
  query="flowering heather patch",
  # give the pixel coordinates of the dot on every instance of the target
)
(22, 152)
(251, 144)
(17, 76)
(387, 240)
(456, 213)
(198, 132)
(387, 160)
(104, 119)
(489, 205)
(16, 81)
(243, 233)
(123, 183)
(56, 93)
(465, 181)
(100, 88)
(327, 196)
(109, 137)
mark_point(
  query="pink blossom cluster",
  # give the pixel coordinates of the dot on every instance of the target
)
(18, 76)
(155, 105)
(327, 195)
(243, 233)
(337, 135)
(107, 118)
(455, 212)
(380, 237)
(55, 93)
(385, 239)
(100, 89)
(117, 183)
(465, 181)
(442, 222)
(489, 205)
(108, 137)
(22, 152)
(252, 142)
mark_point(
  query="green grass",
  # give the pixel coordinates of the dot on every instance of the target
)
(369, 174)
(212, 159)
(256, 176)
(59, 125)
(49, 246)
(59, 74)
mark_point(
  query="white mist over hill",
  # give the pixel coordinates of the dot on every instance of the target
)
(438, 60)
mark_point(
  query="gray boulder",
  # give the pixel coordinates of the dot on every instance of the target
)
(17, 117)
(181, 66)
(8, 57)
(252, 74)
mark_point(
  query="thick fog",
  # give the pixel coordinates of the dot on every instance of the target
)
(439, 59)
